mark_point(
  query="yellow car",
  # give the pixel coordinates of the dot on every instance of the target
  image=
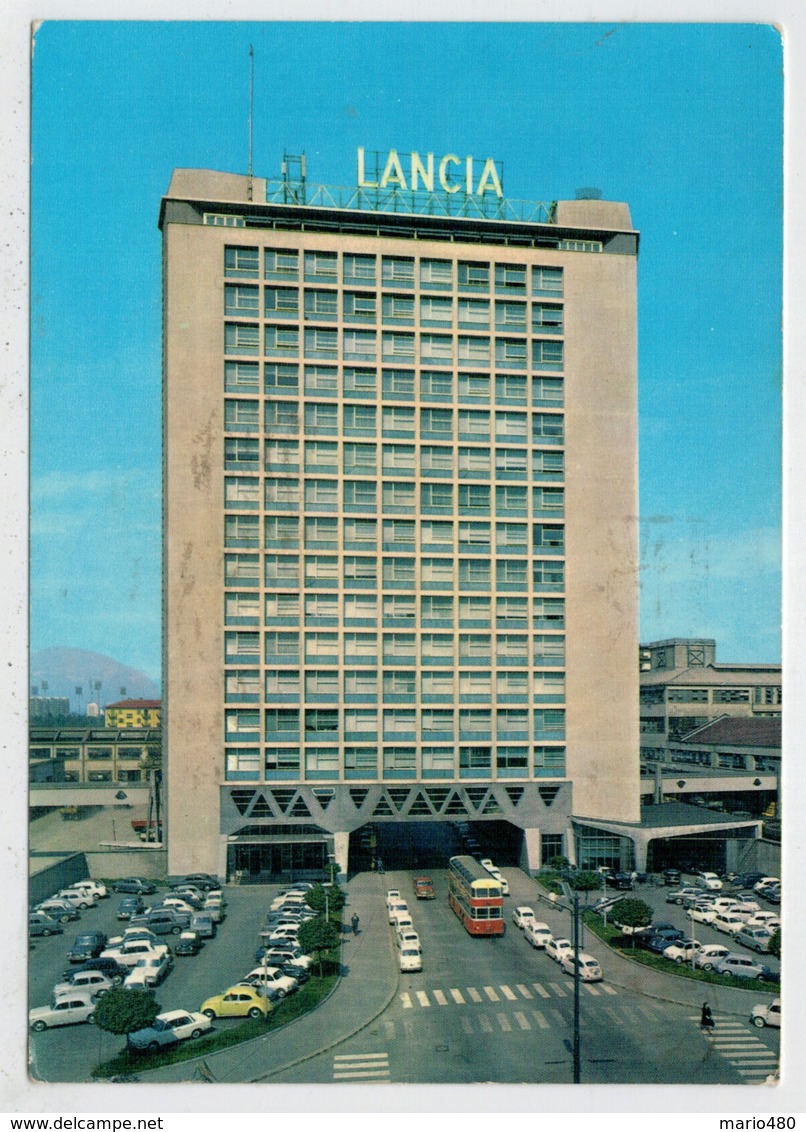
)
(237, 1002)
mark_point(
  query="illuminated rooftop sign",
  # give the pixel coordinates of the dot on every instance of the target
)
(412, 172)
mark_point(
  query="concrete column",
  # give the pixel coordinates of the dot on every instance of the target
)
(341, 851)
(531, 857)
(570, 846)
(223, 844)
(641, 845)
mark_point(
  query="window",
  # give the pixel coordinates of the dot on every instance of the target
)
(281, 302)
(474, 386)
(321, 568)
(475, 684)
(282, 415)
(436, 348)
(511, 461)
(321, 721)
(549, 574)
(510, 352)
(321, 266)
(396, 345)
(399, 682)
(433, 459)
(398, 608)
(282, 340)
(281, 261)
(474, 573)
(475, 461)
(321, 305)
(473, 351)
(241, 300)
(360, 459)
(510, 387)
(284, 760)
(436, 273)
(360, 571)
(282, 568)
(547, 318)
(323, 533)
(436, 495)
(359, 267)
(282, 492)
(547, 427)
(549, 499)
(398, 457)
(239, 682)
(321, 607)
(321, 682)
(550, 686)
(474, 314)
(549, 611)
(437, 570)
(511, 537)
(282, 455)
(512, 684)
(400, 721)
(510, 316)
(397, 570)
(474, 610)
(548, 538)
(321, 418)
(242, 722)
(398, 496)
(549, 722)
(436, 719)
(510, 277)
(399, 383)
(436, 384)
(547, 280)
(360, 382)
(361, 682)
(363, 531)
(399, 532)
(511, 612)
(321, 343)
(359, 420)
(547, 354)
(731, 695)
(548, 464)
(282, 376)
(241, 377)
(396, 270)
(511, 721)
(475, 720)
(282, 644)
(362, 760)
(436, 533)
(321, 379)
(361, 723)
(399, 644)
(321, 493)
(437, 645)
(359, 345)
(510, 645)
(398, 420)
(399, 760)
(322, 761)
(436, 312)
(241, 491)
(474, 497)
(398, 308)
(438, 683)
(359, 494)
(360, 607)
(437, 421)
(549, 649)
(512, 758)
(241, 263)
(241, 338)
(242, 646)
(241, 530)
(321, 454)
(438, 607)
(240, 568)
(321, 645)
(511, 497)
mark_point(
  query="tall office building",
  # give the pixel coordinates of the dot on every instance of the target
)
(400, 515)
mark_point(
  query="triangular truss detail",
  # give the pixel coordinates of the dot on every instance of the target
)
(324, 797)
(399, 796)
(514, 793)
(492, 806)
(420, 806)
(299, 810)
(358, 797)
(282, 799)
(476, 795)
(548, 794)
(261, 808)
(437, 796)
(241, 799)
(455, 805)
(383, 809)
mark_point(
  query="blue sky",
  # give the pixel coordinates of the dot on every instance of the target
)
(684, 122)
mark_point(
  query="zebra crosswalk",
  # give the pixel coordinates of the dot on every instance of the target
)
(750, 1057)
(462, 996)
(361, 1067)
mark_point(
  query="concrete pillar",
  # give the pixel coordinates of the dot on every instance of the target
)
(570, 846)
(341, 851)
(531, 857)
(223, 845)
(641, 845)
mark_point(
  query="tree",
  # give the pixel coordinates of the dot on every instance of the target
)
(122, 1011)
(317, 936)
(775, 944)
(558, 863)
(585, 881)
(631, 913)
(320, 898)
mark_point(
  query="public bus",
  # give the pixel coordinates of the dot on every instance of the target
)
(476, 897)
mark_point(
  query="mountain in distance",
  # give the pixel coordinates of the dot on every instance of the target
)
(65, 669)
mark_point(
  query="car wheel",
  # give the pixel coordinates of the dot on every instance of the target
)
(39, 1026)
(91, 1019)
(117, 980)
(153, 1047)
(255, 1012)
(210, 1013)
(679, 960)
(63, 919)
(707, 966)
(176, 930)
(196, 1033)
(280, 993)
(46, 931)
(760, 978)
(759, 1022)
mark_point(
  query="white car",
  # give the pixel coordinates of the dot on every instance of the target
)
(767, 1015)
(397, 908)
(765, 882)
(148, 972)
(179, 904)
(410, 959)
(710, 881)
(537, 933)
(502, 880)
(129, 953)
(403, 922)
(393, 897)
(285, 935)
(78, 897)
(589, 969)
(763, 920)
(701, 914)
(69, 1009)
(93, 981)
(273, 980)
(96, 887)
(132, 934)
(556, 948)
(407, 937)
(709, 954)
(523, 916)
(292, 900)
(728, 922)
(682, 950)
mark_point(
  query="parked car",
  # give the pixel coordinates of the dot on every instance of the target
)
(169, 1029)
(537, 933)
(139, 886)
(201, 880)
(757, 939)
(765, 882)
(663, 928)
(279, 955)
(424, 888)
(557, 947)
(589, 969)
(60, 910)
(396, 908)
(767, 1015)
(203, 924)
(93, 981)
(188, 943)
(410, 959)
(701, 914)
(237, 1002)
(407, 937)
(772, 893)
(763, 919)
(67, 1010)
(163, 921)
(681, 950)
(272, 980)
(671, 877)
(39, 923)
(678, 895)
(708, 954)
(496, 874)
(79, 897)
(743, 967)
(130, 906)
(87, 945)
(148, 972)
(522, 916)
(113, 970)
(96, 887)
(393, 897)
(710, 881)
(129, 952)
(174, 904)
(656, 943)
(620, 881)
(727, 922)
(132, 933)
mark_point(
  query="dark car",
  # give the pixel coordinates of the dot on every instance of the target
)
(621, 881)
(130, 906)
(87, 945)
(186, 945)
(200, 880)
(301, 974)
(656, 943)
(138, 885)
(747, 880)
(191, 896)
(671, 876)
(163, 921)
(109, 967)
(41, 924)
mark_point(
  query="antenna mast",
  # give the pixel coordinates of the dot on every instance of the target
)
(251, 113)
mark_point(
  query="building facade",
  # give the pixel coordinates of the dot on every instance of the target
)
(400, 534)
(133, 713)
(102, 754)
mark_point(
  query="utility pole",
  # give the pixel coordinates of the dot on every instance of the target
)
(573, 896)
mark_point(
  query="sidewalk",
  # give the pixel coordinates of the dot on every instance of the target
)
(369, 982)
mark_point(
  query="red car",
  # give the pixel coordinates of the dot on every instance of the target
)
(424, 888)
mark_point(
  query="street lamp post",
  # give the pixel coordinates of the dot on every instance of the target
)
(573, 896)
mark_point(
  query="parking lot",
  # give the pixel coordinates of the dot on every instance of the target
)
(70, 1053)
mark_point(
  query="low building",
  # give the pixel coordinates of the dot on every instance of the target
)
(133, 713)
(97, 754)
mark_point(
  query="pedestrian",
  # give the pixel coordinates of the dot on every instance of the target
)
(380, 865)
(707, 1023)
(354, 922)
